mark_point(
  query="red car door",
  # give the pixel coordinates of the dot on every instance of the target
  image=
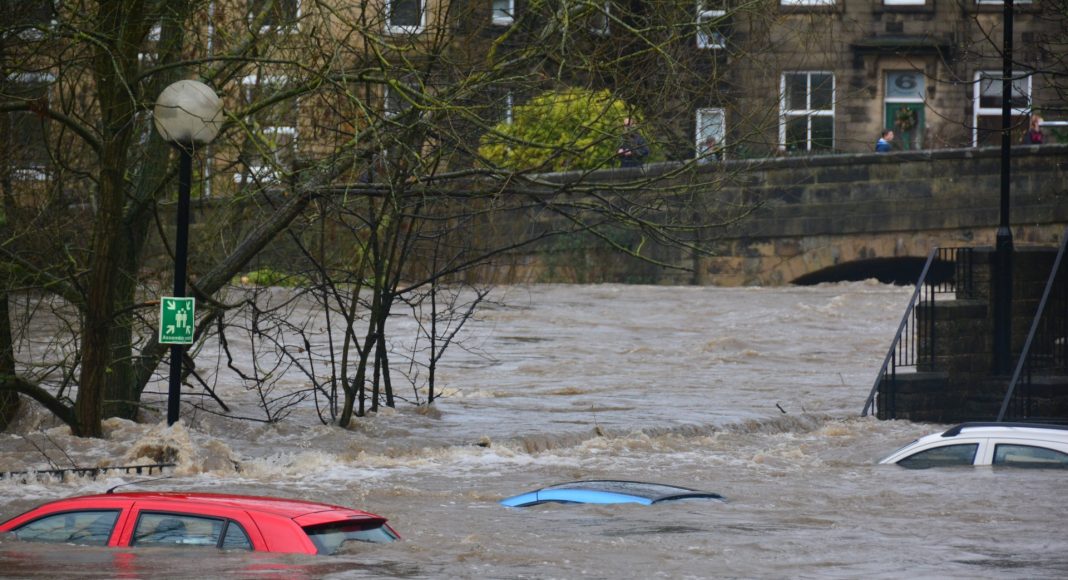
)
(184, 523)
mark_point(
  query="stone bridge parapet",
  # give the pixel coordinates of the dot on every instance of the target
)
(821, 213)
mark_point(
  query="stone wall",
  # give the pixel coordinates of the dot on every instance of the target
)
(816, 213)
(823, 212)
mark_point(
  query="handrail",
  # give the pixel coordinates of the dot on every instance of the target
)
(900, 331)
(90, 471)
(1034, 327)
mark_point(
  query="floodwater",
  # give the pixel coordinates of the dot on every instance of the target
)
(753, 393)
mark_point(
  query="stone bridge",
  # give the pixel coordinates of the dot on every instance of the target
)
(851, 217)
(822, 218)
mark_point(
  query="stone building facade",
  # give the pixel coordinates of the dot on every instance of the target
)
(829, 75)
(714, 78)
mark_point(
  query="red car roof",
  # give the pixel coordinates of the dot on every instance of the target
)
(290, 508)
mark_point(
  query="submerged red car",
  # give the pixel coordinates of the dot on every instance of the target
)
(228, 522)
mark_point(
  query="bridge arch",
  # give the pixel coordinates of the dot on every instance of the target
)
(903, 270)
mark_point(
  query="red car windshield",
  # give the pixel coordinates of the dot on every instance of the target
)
(329, 538)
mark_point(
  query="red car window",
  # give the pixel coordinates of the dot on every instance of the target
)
(329, 538)
(235, 537)
(168, 529)
(90, 527)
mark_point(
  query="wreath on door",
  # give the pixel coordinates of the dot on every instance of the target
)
(905, 119)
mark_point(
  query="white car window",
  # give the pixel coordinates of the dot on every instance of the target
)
(944, 456)
(1029, 456)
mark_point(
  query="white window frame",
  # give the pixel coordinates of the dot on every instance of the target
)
(702, 123)
(265, 172)
(977, 93)
(604, 13)
(34, 34)
(287, 28)
(904, 2)
(808, 112)
(509, 107)
(153, 36)
(808, 2)
(33, 172)
(716, 39)
(505, 18)
(405, 28)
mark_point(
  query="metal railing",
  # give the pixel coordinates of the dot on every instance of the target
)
(1044, 351)
(92, 472)
(914, 343)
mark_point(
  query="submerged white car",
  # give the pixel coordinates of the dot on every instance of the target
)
(1007, 444)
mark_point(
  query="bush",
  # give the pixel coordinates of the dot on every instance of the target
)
(559, 131)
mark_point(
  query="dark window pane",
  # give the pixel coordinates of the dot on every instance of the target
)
(26, 135)
(406, 13)
(822, 133)
(945, 456)
(598, 20)
(236, 538)
(282, 12)
(176, 530)
(1029, 456)
(500, 107)
(822, 92)
(797, 92)
(709, 34)
(27, 13)
(90, 528)
(329, 538)
(797, 134)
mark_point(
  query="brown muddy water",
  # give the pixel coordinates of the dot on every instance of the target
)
(753, 393)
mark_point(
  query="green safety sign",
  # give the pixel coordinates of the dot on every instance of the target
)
(176, 320)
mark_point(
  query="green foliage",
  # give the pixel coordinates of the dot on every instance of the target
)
(559, 131)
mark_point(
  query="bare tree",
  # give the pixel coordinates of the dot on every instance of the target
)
(341, 116)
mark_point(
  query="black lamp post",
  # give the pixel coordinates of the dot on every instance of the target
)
(1003, 248)
(188, 114)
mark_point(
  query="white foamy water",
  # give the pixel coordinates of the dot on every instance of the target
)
(753, 393)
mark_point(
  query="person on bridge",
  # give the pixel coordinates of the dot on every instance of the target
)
(883, 144)
(1033, 136)
(633, 149)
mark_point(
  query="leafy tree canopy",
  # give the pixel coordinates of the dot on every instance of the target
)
(559, 131)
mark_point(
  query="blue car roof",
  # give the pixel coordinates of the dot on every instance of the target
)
(607, 491)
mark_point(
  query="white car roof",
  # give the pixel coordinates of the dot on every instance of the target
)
(1030, 430)
(1037, 432)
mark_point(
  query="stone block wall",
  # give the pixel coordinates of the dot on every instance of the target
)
(816, 213)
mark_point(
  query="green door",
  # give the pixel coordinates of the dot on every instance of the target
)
(907, 121)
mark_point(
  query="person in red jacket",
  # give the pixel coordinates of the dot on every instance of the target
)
(1033, 136)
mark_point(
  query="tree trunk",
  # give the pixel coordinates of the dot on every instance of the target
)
(115, 61)
(123, 392)
(9, 400)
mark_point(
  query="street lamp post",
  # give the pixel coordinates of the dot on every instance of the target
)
(1003, 242)
(188, 115)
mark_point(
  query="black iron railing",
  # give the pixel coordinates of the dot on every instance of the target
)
(1044, 351)
(947, 271)
(92, 472)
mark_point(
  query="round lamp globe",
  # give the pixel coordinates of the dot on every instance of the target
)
(188, 113)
